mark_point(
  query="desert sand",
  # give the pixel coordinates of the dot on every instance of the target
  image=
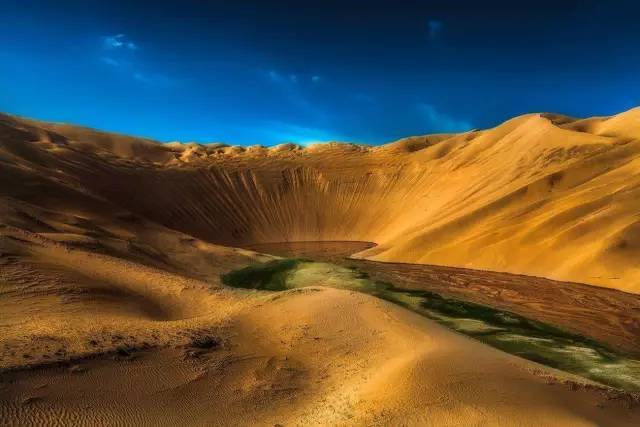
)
(111, 251)
(541, 194)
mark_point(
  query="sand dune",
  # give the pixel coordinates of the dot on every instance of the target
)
(290, 361)
(541, 194)
(112, 247)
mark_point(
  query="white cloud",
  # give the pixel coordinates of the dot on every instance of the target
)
(119, 55)
(274, 76)
(118, 41)
(437, 121)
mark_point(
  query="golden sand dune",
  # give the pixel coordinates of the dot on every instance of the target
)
(112, 247)
(319, 357)
(540, 194)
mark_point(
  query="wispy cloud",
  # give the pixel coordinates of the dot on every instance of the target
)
(295, 90)
(118, 41)
(110, 61)
(274, 76)
(291, 79)
(282, 79)
(120, 54)
(437, 121)
(435, 27)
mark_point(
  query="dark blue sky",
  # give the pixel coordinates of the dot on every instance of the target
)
(248, 72)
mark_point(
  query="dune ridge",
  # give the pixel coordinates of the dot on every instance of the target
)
(540, 194)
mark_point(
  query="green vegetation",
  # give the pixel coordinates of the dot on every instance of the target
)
(270, 276)
(510, 332)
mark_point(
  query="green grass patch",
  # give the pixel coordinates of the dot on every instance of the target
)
(270, 276)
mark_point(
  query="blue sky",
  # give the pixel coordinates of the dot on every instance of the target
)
(246, 72)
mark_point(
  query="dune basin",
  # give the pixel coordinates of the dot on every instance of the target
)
(480, 278)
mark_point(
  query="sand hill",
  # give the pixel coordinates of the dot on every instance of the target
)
(540, 194)
(111, 250)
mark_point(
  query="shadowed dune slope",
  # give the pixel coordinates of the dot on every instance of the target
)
(287, 360)
(540, 194)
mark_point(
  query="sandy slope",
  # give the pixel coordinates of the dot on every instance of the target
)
(313, 357)
(111, 249)
(540, 194)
